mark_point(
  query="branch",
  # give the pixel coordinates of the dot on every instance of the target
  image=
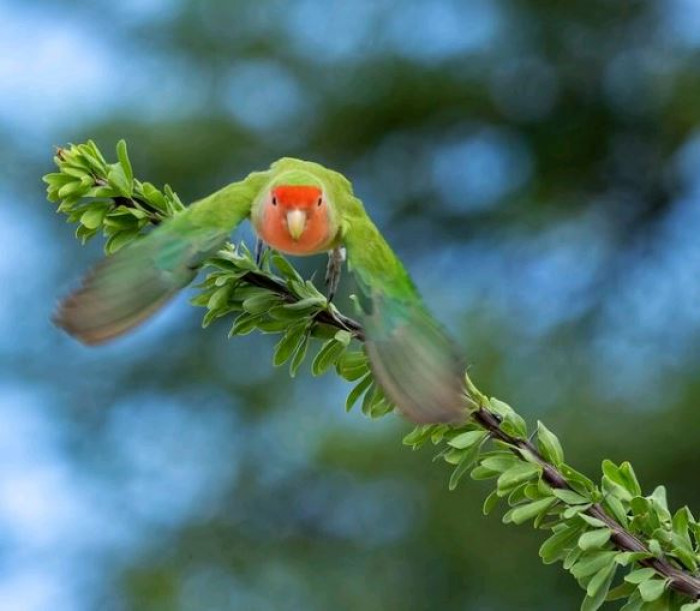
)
(594, 529)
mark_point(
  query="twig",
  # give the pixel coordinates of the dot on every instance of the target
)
(679, 580)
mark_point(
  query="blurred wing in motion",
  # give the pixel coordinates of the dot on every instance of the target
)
(415, 362)
(131, 285)
(412, 357)
(128, 287)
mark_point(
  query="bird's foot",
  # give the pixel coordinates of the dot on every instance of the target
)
(260, 248)
(336, 258)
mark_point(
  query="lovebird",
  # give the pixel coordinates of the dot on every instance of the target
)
(299, 208)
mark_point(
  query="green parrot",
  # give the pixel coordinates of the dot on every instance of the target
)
(299, 208)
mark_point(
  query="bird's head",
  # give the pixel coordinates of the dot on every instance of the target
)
(295, 218)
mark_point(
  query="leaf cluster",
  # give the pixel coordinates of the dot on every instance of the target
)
(596, 530)
(105, 197)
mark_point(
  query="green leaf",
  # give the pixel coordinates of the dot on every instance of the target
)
(635, 603)
(595, 522)
(660, 503)
(516, 494)
(513, 424)
(327, 356)
(579, 482)
(343, 336)
(617, 509)
(92, 218)
(523, 513)
(549, 445)
(630, 478)
(121, 219)
(574, 555)
(418, 436)
(480, 472)
(119, 240)
(79, 173)
(244, 324)
(612, 471)
(299, 354)
(490, 503)
(691, 606)
(627, 558)
(598, 587)
(594, 539)
(308, 303)
(219, 298)
(370, 398)
(154, 197)
(591, 562)
(652, 589)
(352, 365)
(84, 233)
(468, 458)
(270, 325)
(288, 344)
(516, 475)
(124, 161)
(559, 544)
(624, 590)
(56, 179)
(640, 575)
(499, 463)
(70, 189)
(357, 391)
(466, 440)
(437, 433)
(655, 548)
(499, 407)
(282, 313)
(285, 268)
(260, 303)
(117, 178)
(681, 523)
(570, 497)
(575, 510)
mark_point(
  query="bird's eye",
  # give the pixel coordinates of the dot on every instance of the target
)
(319, 202)
(274, 201)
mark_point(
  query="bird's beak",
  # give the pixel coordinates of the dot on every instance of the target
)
(296, 223)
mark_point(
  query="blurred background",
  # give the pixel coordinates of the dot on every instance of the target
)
(536, 164)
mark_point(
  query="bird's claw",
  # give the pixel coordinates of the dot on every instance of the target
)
(336, 258)
(260, 248)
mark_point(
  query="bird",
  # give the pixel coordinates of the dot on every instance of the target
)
(299, 208)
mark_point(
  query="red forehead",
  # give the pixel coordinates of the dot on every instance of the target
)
(296, 195)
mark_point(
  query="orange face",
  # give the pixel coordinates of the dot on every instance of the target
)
(295, 220)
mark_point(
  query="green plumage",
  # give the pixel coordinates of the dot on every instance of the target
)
(412, 358)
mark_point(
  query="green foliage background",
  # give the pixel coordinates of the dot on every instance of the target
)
(565, 263)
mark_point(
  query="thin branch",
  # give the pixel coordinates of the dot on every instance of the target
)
(680, 580)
